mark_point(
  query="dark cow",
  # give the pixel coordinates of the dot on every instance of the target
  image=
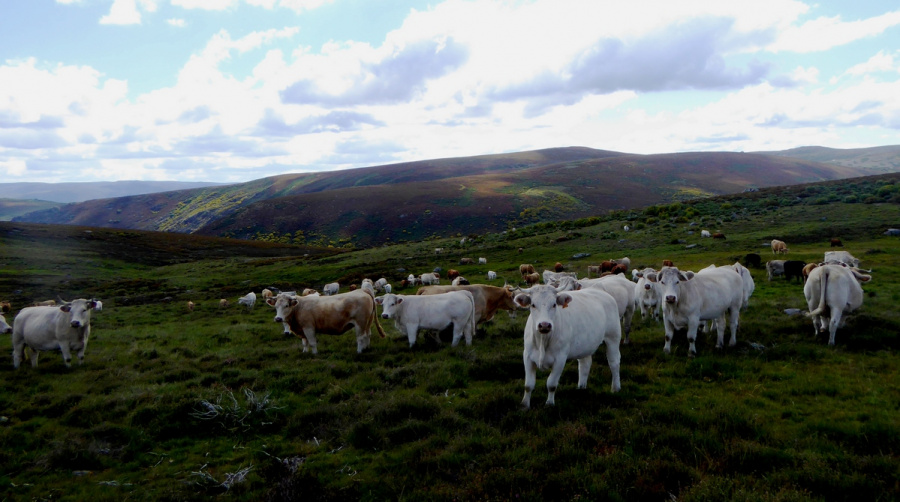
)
(718, 235)
(525, 269)
(607, 266)
(752, 260)
(668, 263)
(792, 269)
(558, 267)
(836, 243)
(466, 261)
(452, 274)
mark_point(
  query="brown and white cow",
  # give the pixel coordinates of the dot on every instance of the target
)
(488, 299)
(532, 278)
(309, 316)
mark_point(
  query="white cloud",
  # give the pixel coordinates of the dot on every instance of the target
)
(295, 5)
(827, 32)
(176, 22)
(122, 12)
(878, 63)
(13, 167)
(805, 75)
(205, 4)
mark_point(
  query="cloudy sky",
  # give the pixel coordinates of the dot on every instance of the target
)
(233, 90)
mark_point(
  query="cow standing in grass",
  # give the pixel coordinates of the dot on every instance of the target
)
(65, 328)
(437, 312)
(831, 292)
(568, 325)
(309, 316)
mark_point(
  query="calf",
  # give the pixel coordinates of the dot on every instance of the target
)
(482, 261)
(437, 312)
(564, 326)
(466, 261)
(831, 292)
(65, 328)
(691, 298)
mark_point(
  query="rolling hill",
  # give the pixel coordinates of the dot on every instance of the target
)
(416, 200)
(82, 191)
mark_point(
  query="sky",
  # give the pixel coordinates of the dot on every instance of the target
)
(235, 90)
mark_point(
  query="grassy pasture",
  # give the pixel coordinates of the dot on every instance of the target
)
(178, 405)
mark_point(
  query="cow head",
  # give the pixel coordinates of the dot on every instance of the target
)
(669, 279)
(390, 303)
(79, 311)
(4, 328)
(284, 304)
(544, 303)
(566, 283)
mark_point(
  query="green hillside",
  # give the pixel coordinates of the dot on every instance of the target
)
(217, 403)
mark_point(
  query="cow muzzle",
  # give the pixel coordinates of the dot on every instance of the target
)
(647, 287)
(75, 324)
(670, 299)
(278, 319)
(7, 331)
(545, 328)
(385, 316)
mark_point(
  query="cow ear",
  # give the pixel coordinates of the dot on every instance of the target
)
(399, 300)
(651, 277)
(686, 276)
(563, 300)
(270, 302)
(578, 286)
(522, 300)
(294, 302)
(91, 304)
(65, 308)
(379, 300)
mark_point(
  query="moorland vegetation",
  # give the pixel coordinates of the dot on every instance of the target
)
(174, 404)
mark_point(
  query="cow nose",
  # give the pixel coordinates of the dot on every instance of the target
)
(670, 299)
(647, 287)
(384, 316)
(545, 327)
(278, 319)
(7, 331)
(76, 324)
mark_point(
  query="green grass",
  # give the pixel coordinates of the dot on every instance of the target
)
(781, 416)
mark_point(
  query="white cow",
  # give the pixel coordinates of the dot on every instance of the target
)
(98, 305)
(387, 288)
(368, 286)
(331, 289)
(551, 277)
(749, 285)
(482, 261)
(622, 290)
(568, 325)
(411, 313)
(646, 295)
(841, 257)
(832, 291)
(491, 275)
(379, 284)
(248, 300)
(65, 328)
(429, 279)
(705, 233)
(4, 327)
(691, 298)
(773, 268)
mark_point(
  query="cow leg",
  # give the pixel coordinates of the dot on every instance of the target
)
(614, 358)
(670, 332)
(34, 356)
(693, 325)
(458, 329)
(412, 330)
(363, 338)
(553, 380)
(734, 319)
(66, 354)
(18, 353)
(834, 324)
(720, 332)
(629, 313)
(310, 341)
(530, 378)
(584, 369)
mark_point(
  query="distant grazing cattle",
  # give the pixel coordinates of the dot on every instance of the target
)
(668, 263)
(779, 247)
(452, 274)
(308, 291)
(491, 275)
(718, 235)
(705, 233)
(558, 267)
(607, 266)
(459, 281)
(626, 228)
(331, 289)
(466, 261)
(689, 299)
(836, 243)
(354, 287)
(438, 250)
(45, 303)
(532, 278)
(387, 288)
(620, 268)
(831, 292)
(482, 261)
(266, 294)
(437, 312)
(65, 328)
(526, 268)
(808, 269)
(584, 320)
(248, 300)
(773, 268)
(309, 316)
(190, 305)
(794, 269)
(379, 284)
(622, 261)
(752, 260)
(622, 290)
(841, 257)
(593, 270)
(429, 279)
(488, 299)
(223, 303)
(5, 307)
(891, 232)
(521, 250)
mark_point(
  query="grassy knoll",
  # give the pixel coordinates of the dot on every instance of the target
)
(178, 405)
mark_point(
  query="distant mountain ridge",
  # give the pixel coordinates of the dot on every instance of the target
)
(415, 200)
(82, 191)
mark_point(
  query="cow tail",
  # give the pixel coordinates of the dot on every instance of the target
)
(375, 318)
(822, 306)
(472, 316)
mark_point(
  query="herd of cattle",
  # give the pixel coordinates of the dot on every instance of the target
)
(569, 318)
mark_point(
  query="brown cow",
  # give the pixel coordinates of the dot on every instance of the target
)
(532, 278)
(190, 305)
(807, 269)
(452, 274)
(558, 267)
(488, 299)
(836, 243)
(354, 287)
(620, 268)
(307, 316)
(5, 307)
(607, 266)
(267, 293)
(718, 235)
(779, 247)
(466, 261)
(525, 269)
(668, 263)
